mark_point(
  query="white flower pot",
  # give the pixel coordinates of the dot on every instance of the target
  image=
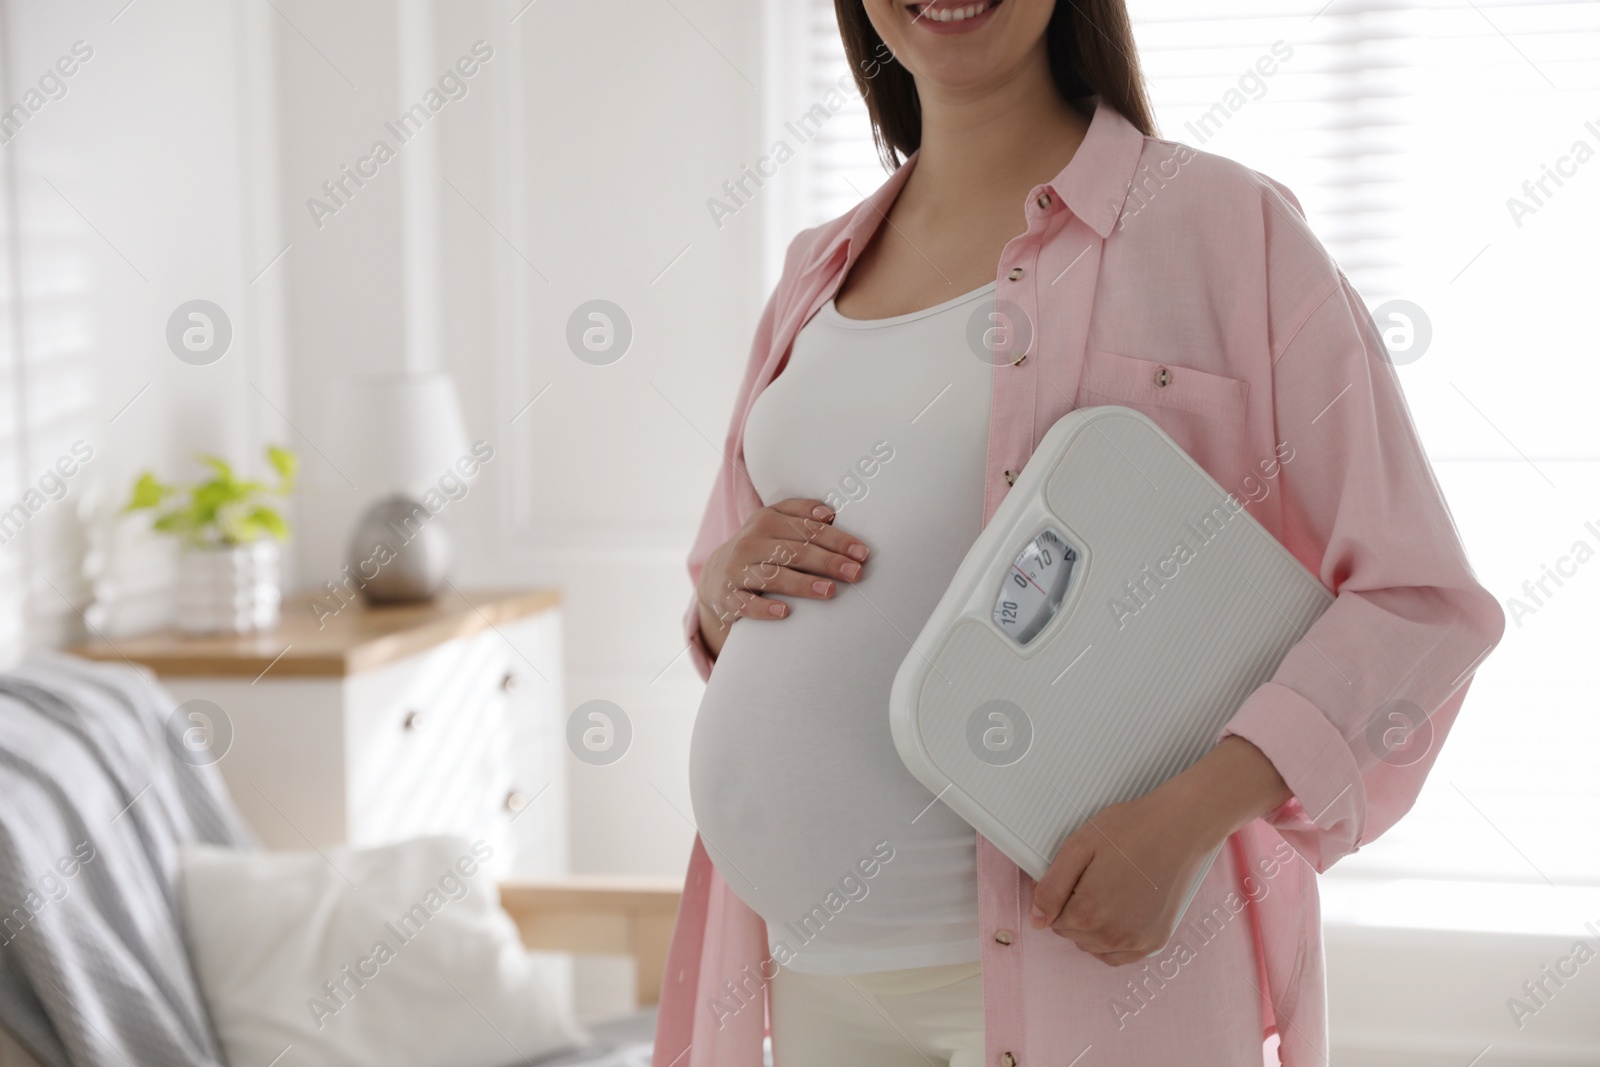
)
(233, 589)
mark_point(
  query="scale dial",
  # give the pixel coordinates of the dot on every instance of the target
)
(1034, 586)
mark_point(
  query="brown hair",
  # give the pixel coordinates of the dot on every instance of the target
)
(1092, 52)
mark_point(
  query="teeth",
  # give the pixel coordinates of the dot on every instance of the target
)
(958, 14)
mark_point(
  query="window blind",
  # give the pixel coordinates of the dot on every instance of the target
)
(1448, 156)
(13, 444)
(47, 375)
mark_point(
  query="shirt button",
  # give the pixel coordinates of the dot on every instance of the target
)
(1163, 376)
(1044, 202)
(1016, 273)
(1018, 361)
(1003, 936)
(1011, 477)
(1007, 1060)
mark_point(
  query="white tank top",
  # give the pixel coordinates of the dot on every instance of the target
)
(798, 792)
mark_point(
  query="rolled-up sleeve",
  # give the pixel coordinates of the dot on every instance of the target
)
(1392, 657)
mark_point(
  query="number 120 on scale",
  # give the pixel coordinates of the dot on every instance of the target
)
(1034, 586)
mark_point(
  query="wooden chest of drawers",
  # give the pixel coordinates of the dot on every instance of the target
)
(370, 725)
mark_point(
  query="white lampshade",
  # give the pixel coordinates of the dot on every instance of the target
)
(402, 431)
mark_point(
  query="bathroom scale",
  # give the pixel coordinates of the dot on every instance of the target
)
(1110, 619)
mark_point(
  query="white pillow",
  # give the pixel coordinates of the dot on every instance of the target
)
(358, 957)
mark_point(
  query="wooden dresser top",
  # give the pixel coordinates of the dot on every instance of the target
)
(322, 643)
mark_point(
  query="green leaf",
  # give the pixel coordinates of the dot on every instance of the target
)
(223, 468)
(147, 493)
(240, 490)
(223, 508)
(207, 500)
(286, 464)
(174, 522)
(269, 521)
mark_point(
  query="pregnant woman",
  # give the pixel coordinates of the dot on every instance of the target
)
(1038, 249)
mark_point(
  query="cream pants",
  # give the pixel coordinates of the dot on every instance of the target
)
(909, 1018)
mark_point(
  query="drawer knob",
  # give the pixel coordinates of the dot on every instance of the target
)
(516, 800)
(510, 683)
(412, 721)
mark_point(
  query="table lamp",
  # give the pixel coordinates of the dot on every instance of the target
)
(405, 434)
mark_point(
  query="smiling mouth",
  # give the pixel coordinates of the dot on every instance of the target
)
(941, 11)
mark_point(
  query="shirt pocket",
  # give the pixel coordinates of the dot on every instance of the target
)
(1203, 412)
(1144, 383)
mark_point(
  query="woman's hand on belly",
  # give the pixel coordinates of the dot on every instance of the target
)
(790, 549)
(1118, 882)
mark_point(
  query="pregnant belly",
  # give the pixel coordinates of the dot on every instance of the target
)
(794, 776)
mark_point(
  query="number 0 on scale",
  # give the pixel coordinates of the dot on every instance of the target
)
(1034, 587)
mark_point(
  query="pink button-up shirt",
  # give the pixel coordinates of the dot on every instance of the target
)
(1190, 288)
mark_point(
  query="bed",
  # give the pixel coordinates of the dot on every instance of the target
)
(585, 916)
(93, 749)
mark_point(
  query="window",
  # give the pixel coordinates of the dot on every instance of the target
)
(1448, 156)
(46, 397)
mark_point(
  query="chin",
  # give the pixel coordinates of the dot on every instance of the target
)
(961, 44)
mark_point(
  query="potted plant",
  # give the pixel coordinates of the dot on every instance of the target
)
(229, 530)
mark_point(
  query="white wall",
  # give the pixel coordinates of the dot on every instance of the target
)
(576, 167)
(608, 473)
(143, 186)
